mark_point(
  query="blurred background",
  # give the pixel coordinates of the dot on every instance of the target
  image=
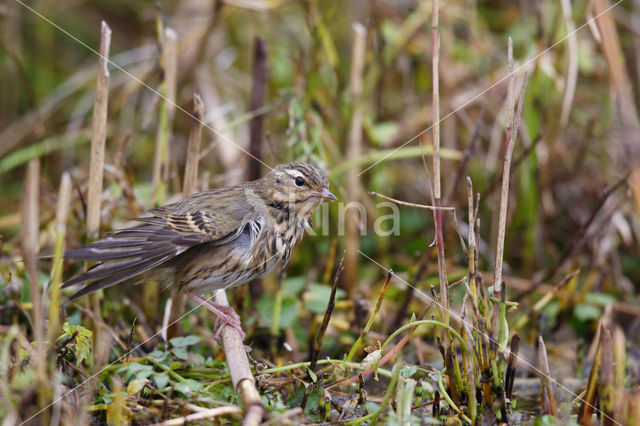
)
(277, 79)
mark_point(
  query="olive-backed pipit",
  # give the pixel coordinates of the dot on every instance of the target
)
(211, 240)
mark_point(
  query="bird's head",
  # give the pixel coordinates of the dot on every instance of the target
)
(301, 186)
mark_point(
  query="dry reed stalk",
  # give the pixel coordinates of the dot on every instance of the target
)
(62, 212)
(193, 148)
(354, 150)
(572, 72)
(30, 241)
(190, 185)
(168, 40)
(241, 376)
(614, 56)
(513, 122)
(210, 413)
(256, 130)
(98, 135)
(437, 191)
(96, 171)
(589, 400)
(451, 364)
(548, 398)
(502, 218)
(621, 396)
(258, 95)
(606, 379)
(472, 251)
(327, 315)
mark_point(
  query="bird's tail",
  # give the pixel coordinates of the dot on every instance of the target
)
(125, 255)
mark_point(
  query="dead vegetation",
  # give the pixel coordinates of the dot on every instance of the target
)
(503, 134)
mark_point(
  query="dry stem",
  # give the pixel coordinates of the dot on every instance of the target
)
(30, 242)
(241, 376)
(96, 171)
(354, 148)
(62, 212)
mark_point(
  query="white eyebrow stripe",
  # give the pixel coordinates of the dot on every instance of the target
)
(294, 173)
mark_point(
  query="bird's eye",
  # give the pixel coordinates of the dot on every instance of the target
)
(299, 181)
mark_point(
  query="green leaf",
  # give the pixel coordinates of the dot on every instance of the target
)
(82, 340)
(136, 386)
(371, 406)
(317, 298)
(293, 286)
(585, 312)
(381, 132)
(313, 376)
(184, 341)
(188, 387)
(600, 299)
(288, 312)
(408, 371)
(161, 380)
(180, 353)
(139, 371)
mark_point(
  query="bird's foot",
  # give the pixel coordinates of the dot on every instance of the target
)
(225, 315)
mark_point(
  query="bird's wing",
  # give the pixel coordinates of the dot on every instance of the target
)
(169, 232)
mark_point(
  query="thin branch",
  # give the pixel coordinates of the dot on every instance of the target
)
(408, 204)
(354, 150)
(241, 375)
(96, 174)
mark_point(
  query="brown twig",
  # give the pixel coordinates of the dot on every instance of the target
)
(96, 171)
(511, 365)
(581, 234)
(256, 126)
(193, 148)
(354, 148)
(408, 204)
(327, 316)
(258, 95)
(402, 310)
(513, 122)
(241, 375)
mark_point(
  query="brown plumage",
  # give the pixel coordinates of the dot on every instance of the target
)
(213, 239)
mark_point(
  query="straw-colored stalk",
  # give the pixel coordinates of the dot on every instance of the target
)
(193, 148)
(241, 376)
(354, 149)
(548, 399)
(190, 186)
(62, 212)
(169, 70)
(168, 40)
(513, 121)
(96, 169)
(30, 241)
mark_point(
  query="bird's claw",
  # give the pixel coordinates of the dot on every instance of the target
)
(233, 320)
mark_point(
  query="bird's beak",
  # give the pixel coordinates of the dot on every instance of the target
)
(325, 193)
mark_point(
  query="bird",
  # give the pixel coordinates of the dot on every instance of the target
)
(211, 240)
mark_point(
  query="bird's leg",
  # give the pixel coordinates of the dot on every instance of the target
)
(224, 314)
